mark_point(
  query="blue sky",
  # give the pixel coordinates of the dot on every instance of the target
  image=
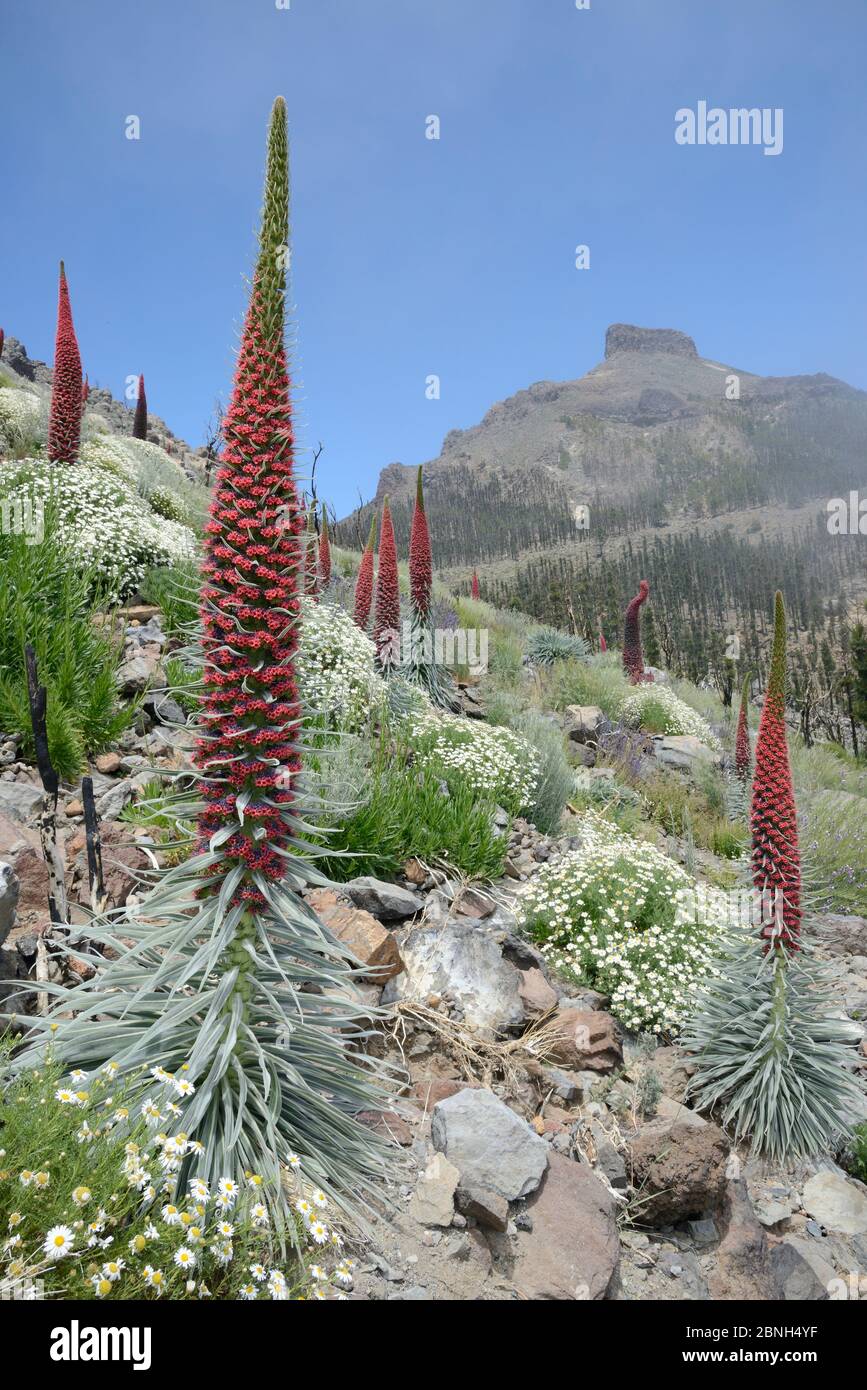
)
(415, 257)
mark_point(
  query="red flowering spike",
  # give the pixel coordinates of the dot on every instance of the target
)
(85, 392)
(140, 422)
(64, 423)
(2, 341)
(311, 563)
(633, 658)
(324, 552)
(420, 562)
(386, 618)
(773, 815)
(743, 758)
(364, 582)
(603, 645)
(250, 589)
(475, 585)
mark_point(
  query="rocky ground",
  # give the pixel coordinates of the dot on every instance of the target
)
(540, 1153)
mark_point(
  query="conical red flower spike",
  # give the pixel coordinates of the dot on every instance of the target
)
(773, 816)
(386, 618)
(420, 561)
(633, 658)
(364, 582)
(140, 422)
(475, 591)
(743, 757)
(85, 392)
(324, 552)
(64, 422)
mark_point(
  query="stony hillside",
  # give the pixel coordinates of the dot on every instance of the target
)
(19, 370)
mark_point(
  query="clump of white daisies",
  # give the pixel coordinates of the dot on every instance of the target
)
(335, 668)
(623, 918)
(99, 518)
(491, 759)
(97, 1201)
(657, 708)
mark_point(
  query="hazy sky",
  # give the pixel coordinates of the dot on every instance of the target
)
(415, 257)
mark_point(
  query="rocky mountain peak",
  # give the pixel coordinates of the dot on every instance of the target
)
(626, 337)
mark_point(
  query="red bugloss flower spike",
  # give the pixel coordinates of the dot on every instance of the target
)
(743, 757)
(64, 422)
(364, 582)
(633, 657)
(776, 858)
(324, 552)
(386, 617)
(474, 589)
(140, 422)
(420, 561)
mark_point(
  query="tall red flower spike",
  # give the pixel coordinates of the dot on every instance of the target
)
(2, 341)
(85, 392)
(743, 757)
(64, 422)
(324, 552)
(364, 582)
(773, 816)
(140, 422)
(420, 560)
(250, 603)
(475, 591)
(386, 617)
(311, 562)
(633, 658)
(603, 645)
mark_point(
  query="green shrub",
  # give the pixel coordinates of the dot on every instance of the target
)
(547, 646)
(597, 681)
(168, 504)
(94, 1203)
(620, 916)
(505, 660)
(556, 780)
(49, 604)
(175, 591)
(833, 835)
(409, 810)
(493, 762)
(859, 1152)
(657, 709)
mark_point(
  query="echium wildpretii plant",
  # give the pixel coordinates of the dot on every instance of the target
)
(770, 1057)
(223, 974)
(364, 581)
(64, 420)
(140, 419)
(633, 657)
(422, 666)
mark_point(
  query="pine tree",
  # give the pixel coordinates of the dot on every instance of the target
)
(140, 421)
(858, 652)
(64, 422)
(222, 988)
(364, 582)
